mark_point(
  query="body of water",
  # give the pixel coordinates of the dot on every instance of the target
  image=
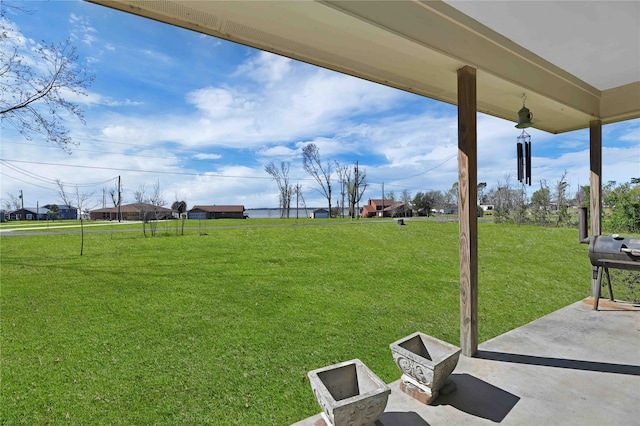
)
(275, 213)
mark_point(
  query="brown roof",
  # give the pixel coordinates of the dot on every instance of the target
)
(218, 209)
(368, 209)
(378, 202)
(393, 206)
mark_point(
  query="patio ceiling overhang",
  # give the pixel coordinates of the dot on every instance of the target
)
(418, 46)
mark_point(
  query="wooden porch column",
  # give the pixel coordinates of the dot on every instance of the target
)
(467, 210)
(595, 193)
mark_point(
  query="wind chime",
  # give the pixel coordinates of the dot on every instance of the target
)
(524, 144)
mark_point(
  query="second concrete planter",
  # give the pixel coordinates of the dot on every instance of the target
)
(425, 362)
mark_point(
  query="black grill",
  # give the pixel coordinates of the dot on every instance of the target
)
(615, 252)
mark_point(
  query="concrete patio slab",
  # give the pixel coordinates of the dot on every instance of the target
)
(573, 366)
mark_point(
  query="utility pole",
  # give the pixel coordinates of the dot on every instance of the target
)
(22, 199)
(119, 200)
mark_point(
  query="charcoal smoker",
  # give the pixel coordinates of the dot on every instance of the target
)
(606, 252)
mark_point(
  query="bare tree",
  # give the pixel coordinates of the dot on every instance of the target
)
(561, 199)
(405, 197)
(451, 196)
(157, 201)
(391, 196)
(285, 189)
(519, 197)
(579, 197)
(141, 194)
(141, 199)
(312, 165)
(502, 200)
(12, 203)
(299, 198)
(541, 204)
(343, 171)
(481, 188)
(114, 193)
(33, 85)
(81, 199)
(356, 185)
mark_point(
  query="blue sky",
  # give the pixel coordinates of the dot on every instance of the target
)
(203, 116)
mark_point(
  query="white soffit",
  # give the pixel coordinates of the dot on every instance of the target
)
(597, 41)
(417, 46)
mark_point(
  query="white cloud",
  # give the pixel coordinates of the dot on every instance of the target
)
(207, 156)
(311, 102)
(82, 29)
(265, 67)
(631, 132)
(222, 103)
(278, 151)
(94, 98)
(155, 55)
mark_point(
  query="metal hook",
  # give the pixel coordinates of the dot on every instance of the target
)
(524, 98)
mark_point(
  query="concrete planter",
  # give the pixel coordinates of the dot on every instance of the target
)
(349, 393)
(426, 363)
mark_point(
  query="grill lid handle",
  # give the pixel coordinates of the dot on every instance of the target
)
(632, 252)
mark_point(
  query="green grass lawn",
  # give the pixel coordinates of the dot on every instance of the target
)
(222, 328)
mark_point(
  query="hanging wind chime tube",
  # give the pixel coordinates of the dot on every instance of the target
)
(523, 149)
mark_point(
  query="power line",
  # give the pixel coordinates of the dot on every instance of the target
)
(28, 183)
(427, 171)
(49, 180)
(421, 173)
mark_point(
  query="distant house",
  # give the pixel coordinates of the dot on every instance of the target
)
(398, 210)
(135, 211)
(29, 213)
(319, 214)
(64, 211)
(450, 210)
(216, 212)
(3, 216)
(384, 208)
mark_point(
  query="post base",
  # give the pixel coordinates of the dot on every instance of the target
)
(418, 393)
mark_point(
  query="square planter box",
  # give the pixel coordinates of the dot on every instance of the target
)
(349, 393)
(425, 362)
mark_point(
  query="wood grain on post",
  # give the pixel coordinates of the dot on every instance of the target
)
(467, 210)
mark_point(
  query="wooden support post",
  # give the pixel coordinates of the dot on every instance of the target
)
(467, 210)
(595, 196)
